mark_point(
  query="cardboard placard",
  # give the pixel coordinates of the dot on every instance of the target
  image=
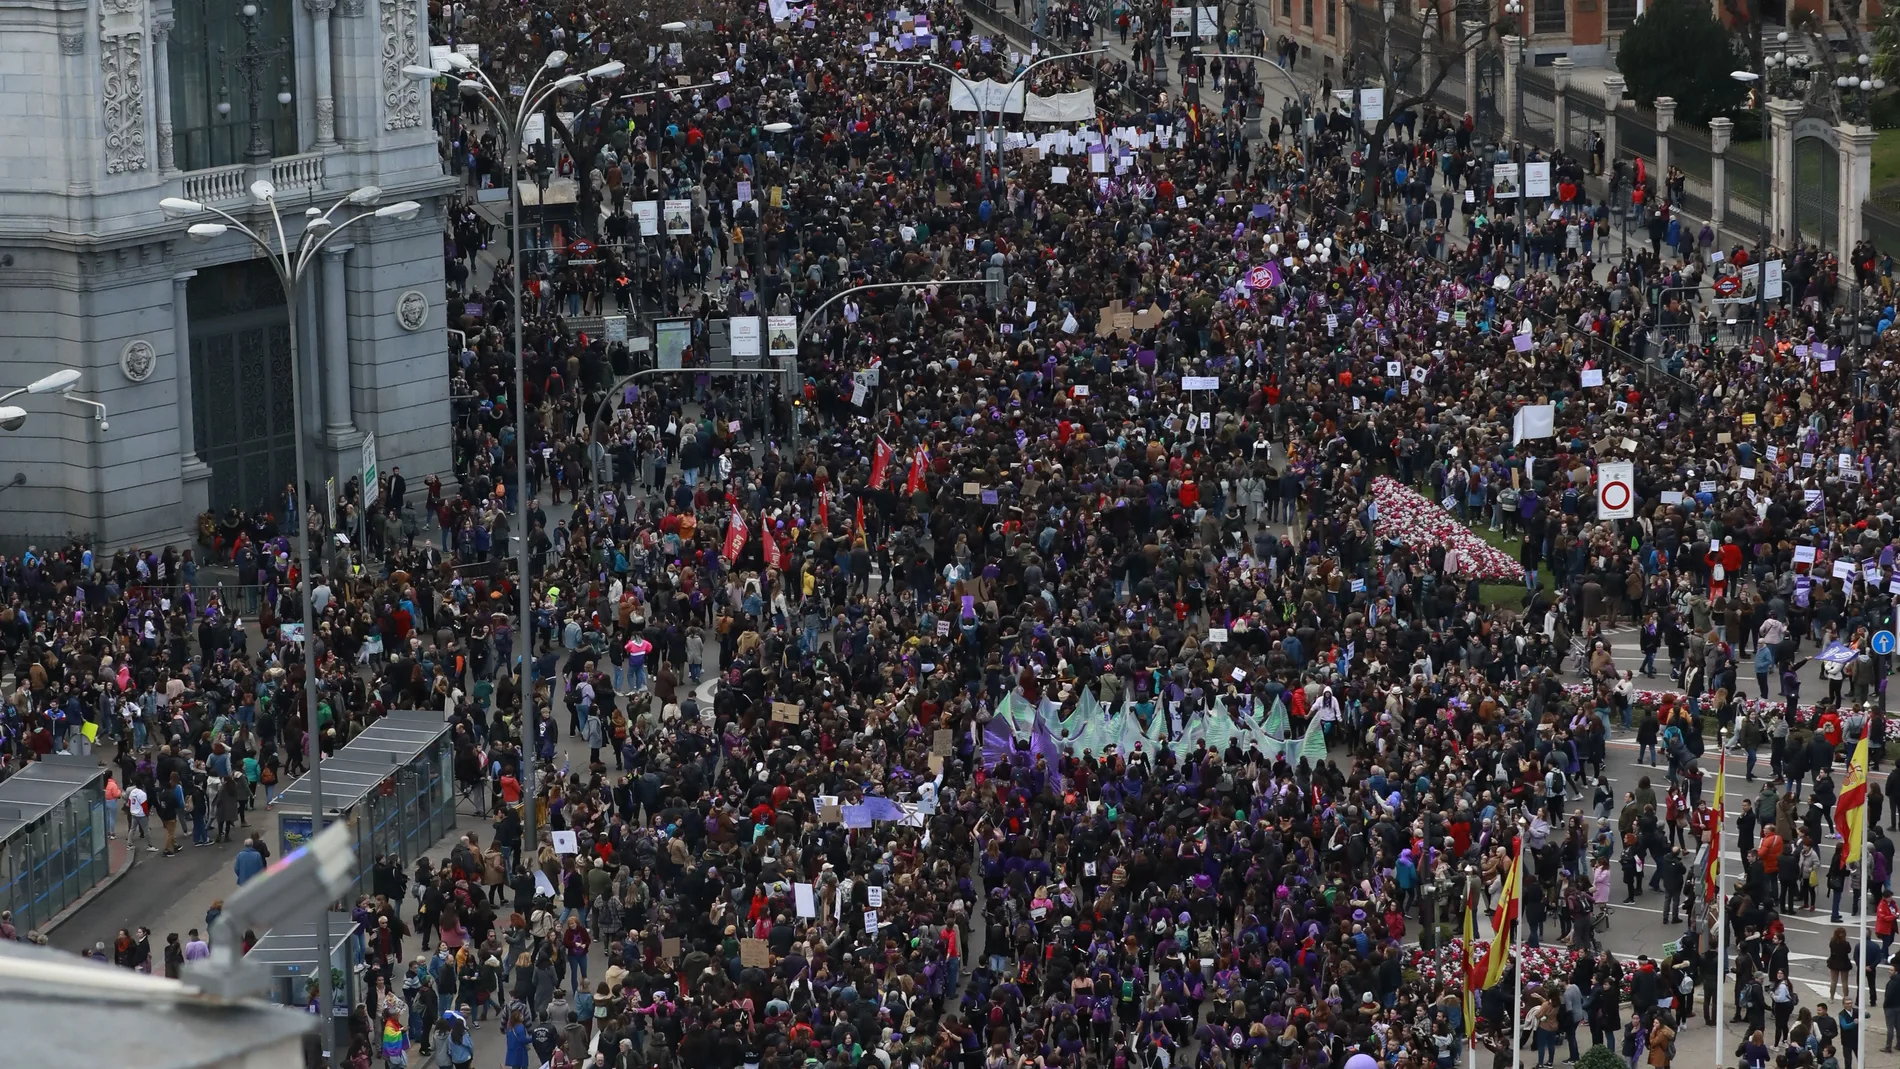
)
(565, 842)
(784, 713)
(935, 763)
(830, 814)
(670, 948)
(941, 740)
(753, 953)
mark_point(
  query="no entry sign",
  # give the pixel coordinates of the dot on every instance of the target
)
(1616, 493)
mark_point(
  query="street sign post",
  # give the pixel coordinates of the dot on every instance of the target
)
(369, 470)
(1883, 642)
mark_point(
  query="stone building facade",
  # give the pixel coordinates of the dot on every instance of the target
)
(113, 105)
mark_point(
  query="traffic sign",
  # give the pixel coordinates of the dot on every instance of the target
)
(1616, 500)
(580, 248)
(1883, 642)
(1727, 286)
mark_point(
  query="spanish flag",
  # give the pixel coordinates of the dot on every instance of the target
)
(1503, 921)
(1713, 868)
(1850, 809)
(1470, 975)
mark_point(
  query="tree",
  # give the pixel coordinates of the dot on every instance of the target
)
(1399, 50)
(1676, 48)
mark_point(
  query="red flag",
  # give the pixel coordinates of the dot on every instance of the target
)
(917, 462)
(881, 464)
(735, 537)
(860, 516)
(773, 556)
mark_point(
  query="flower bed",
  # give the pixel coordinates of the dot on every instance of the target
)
(1804, 715)
(1409, 517)
(1541, 964)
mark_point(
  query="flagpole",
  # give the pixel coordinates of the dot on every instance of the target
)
(1471, 931)
(1517, 948)
(1860, 1012)
(1713, 908)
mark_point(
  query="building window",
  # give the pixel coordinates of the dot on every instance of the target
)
(1286, 10)
(1332, 18)
(1306, 7)
(211, 109)
(1548, 16)
(1618, 14)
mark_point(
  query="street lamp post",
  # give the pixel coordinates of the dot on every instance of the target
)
(291, 262)
(12, 417)
(1750, 78)
(474, 82)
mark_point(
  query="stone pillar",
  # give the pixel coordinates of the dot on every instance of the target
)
(194, 473)
(1665, 118)
(1721, 131)
(1560, 70)
(1857, 146)
(162, 98)
(1781, 118)
(1513, 52)
(1612, 100)
(320, 52)
(1474, 32)
(339, 426)
(1427, 60)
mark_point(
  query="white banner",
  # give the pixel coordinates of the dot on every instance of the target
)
(1771, 280)
(1616, 490)
(1534, 421)
(1371, 105)
(745, 336)
(1061, 107)
(1537, 179)
(648, 212)
(987, 96)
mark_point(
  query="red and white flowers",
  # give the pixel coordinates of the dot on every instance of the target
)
(1409, 517)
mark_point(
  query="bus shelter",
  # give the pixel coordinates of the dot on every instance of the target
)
(288, 954)
(52, 837)
(394, 785)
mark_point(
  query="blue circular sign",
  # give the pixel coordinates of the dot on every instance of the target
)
(1883, 642)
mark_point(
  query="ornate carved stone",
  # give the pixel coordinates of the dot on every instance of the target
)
(72, 44)
(138, 359)
(350, 9)
(161, 34)
(402, 95)
(122, 81)
(319, 9)
(326, 120)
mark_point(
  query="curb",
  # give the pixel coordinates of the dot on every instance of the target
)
(112, 879)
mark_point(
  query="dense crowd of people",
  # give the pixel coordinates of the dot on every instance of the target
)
(1130, 617)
